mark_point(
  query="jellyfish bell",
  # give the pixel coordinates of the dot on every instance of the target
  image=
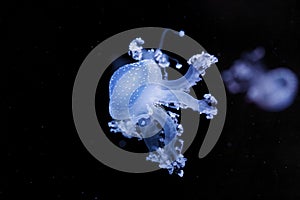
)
(274, 90)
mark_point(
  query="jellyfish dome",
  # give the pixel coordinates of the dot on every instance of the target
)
(275, 90)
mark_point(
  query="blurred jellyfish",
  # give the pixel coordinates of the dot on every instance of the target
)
(273, 90)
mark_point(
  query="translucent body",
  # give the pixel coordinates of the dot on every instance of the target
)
(273, 90)
(138, 92)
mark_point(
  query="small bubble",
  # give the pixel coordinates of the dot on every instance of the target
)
(181, 33)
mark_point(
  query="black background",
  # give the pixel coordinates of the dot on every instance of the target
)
(257, 156)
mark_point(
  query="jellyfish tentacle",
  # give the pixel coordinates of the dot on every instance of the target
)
(169, 155)
(184, 100)
(198, 65)
(166, 122)
(185, 82)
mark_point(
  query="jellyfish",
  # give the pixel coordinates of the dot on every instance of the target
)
(140, 92)
(271, 90)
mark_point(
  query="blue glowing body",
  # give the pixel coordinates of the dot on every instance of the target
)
(137, 93)
(271, 90)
